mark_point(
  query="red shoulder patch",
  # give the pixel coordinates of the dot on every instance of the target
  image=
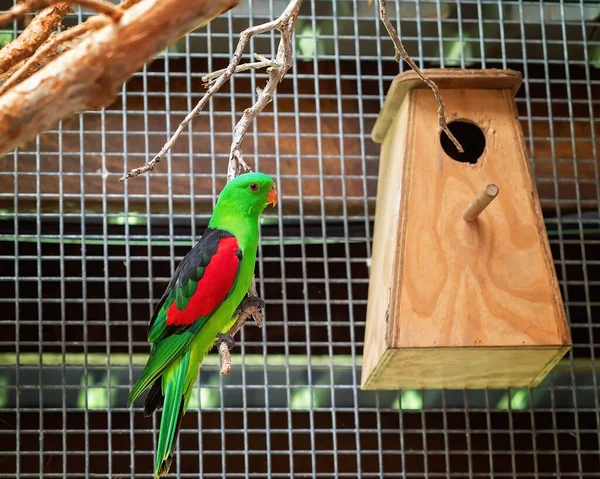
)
(214, 286)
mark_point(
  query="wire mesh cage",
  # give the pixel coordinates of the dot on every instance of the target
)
(84, 259)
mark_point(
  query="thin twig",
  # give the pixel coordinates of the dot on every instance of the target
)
(92, 23)
(401, 53)
(281, 65)
(36, 33)
(286, 22)
(277, 69)
(225, 359)
(208, 79)
(250, 311)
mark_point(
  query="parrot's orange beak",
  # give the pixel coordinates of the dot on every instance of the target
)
(272, 196)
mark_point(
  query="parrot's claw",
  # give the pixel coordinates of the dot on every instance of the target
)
(225, 338)
(252, 306)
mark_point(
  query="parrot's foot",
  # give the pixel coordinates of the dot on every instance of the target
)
(252, 306)
(225, 338)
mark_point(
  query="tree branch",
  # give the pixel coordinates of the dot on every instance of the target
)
(91, 74)
(36, 33)
(278, 67)
(100, 6)
(282, 63)
(251, 307)
(285, 24)
(401, 53)
(21, 9)
(29, 6)
(51, 49)
(263, 63)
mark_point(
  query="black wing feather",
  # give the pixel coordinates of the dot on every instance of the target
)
(191, 268)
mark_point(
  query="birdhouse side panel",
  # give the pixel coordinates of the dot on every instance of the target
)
(384, 262)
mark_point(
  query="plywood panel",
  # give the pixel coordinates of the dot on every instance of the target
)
(469, 304)
(490, 282)
(385, 233)
(463, 368)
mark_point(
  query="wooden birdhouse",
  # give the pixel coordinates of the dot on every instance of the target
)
(463, 291)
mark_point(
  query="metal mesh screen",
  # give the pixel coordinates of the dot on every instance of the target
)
(83, 259)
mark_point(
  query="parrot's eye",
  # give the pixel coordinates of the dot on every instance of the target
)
(253, 186)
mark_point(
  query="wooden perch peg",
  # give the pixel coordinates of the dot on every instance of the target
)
(481, 202)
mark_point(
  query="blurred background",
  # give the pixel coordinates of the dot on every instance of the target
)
(83, 258)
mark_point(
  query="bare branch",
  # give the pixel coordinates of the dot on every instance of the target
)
(125, 4)
(91, 74)
(100, 6)
(401, 53)
(226, 359)
(285, 23)
(281, 65)
(21, 9)
(251, 307)
(36, 33)
(277, 68)
(55, 46)
(208, 79)
(50, 49)
(29, 6)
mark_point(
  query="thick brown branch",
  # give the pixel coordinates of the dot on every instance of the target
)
(51, 49)
(100, 6)
(56, 45)
(89, 76)
(281, 23)
(36, 33)
(401, 53)
(21, 9)
(29, 6)
(125, 4)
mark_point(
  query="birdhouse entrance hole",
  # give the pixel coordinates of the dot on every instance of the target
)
(470, 137)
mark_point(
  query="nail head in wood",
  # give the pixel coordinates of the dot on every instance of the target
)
(481, 202)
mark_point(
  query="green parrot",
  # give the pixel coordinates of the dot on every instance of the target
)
(200, 304)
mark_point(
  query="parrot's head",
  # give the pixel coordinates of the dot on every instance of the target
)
(249, 193)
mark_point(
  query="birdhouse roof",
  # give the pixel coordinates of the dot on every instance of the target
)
(445, 79)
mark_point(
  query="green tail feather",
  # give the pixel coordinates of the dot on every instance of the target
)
(164, 354)
(173, 385)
